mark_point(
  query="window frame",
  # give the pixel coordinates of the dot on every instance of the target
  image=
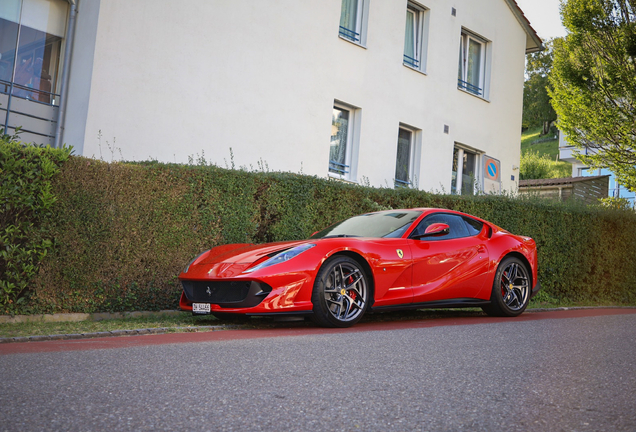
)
(458, 179)
(450, 236)
(359, 36)
(414, 152)
(481, 88)
(420, 37)
(348, 173)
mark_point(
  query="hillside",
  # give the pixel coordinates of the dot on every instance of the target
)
(541, 159)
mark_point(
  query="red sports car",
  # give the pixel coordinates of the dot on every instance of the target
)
(387, 260)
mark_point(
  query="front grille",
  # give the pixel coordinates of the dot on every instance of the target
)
(229, 294)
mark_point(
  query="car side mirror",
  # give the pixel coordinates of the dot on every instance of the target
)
(434, 230)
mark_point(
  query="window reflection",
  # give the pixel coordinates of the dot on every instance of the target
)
(40, 26)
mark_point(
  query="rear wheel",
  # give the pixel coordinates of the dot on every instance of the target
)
(341, 293)
(511, 289)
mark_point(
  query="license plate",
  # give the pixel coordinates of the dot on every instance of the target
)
(201, 308)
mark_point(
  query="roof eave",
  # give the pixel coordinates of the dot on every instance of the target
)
(533, 41)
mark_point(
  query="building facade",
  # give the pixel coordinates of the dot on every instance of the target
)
(423, 94)
(579, 169)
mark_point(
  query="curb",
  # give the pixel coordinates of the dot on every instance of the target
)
(162, 330)
(146, 331)
(75, 317)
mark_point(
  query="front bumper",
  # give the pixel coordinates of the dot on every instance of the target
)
(272, 294)
(226, 294)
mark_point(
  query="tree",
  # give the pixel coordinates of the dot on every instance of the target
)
(593, 81)
(537, 109)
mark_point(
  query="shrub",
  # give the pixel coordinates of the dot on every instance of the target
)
(26, 200)
(536, 166)
(122, 232)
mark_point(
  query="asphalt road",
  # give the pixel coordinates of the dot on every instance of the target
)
(574, 374)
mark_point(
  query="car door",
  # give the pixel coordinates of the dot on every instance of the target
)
(451, 266)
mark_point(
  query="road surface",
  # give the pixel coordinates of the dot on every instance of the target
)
(565, 371)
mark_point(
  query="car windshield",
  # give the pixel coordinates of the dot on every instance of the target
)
(391, 223)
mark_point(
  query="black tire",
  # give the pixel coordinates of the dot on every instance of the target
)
(341, 294)
(511, 289)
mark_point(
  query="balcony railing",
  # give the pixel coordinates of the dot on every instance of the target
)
(32, 110)
(402, 183)
(349, 34)
(410, 61)
(471, 88)
(338, 168)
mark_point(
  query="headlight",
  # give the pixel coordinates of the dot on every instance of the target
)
(185, 270)
(281, 257)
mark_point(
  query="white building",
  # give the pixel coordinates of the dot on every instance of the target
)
(579, 169)
(389, 92)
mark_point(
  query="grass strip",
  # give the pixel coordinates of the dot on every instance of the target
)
(185, 322)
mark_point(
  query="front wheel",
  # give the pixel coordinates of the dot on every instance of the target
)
(341, 293)
(510, 290)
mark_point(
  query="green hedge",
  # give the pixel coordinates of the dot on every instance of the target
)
(26, 200)
(122, 232)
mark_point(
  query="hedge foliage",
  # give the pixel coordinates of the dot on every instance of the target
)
(122, 232)
(26, 200)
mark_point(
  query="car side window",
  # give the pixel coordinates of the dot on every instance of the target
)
(455, 222)
(474, 226)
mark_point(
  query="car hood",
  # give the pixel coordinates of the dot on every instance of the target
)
(232, 260)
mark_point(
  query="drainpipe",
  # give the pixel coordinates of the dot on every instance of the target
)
(68, 44)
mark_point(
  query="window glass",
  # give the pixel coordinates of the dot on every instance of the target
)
(468, 173)
(464, 171)
(410, 37)
(474, 63)
(8, 39)
(43, 24)
(47, 16)
(10, 10)
(339, 136)
(415, 35)
(455, 222)
(389, 223)
(403, 164)
(349, 20)
(470, 73)
(455, 167)
(474, 226)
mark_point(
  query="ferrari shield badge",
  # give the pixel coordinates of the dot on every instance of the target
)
(400, 253)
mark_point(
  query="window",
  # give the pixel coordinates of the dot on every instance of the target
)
(474, 226)
(456, 224)
(353, 20)
(471, 75)
(405, 161)
(415, 37)
(41, 25)
(343, 141)
(464, 171)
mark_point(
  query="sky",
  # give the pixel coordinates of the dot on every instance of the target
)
(544, 17)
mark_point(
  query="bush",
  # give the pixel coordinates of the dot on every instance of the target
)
(536, 166)
(26, 200)
(122, 232)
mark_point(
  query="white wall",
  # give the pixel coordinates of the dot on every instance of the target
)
(174, 79)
